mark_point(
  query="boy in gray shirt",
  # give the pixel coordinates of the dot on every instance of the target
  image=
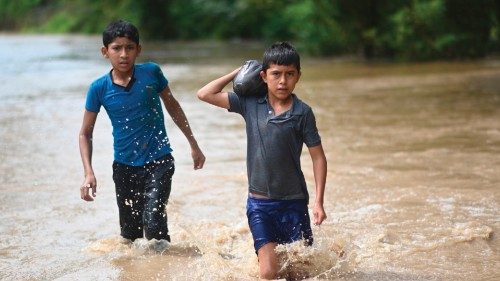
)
(277, 126)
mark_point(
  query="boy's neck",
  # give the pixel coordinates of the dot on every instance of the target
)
(122, 78)
(279, 106)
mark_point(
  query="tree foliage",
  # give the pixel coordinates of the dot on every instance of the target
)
(401, 29)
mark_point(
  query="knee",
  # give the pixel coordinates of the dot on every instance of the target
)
(268, 273)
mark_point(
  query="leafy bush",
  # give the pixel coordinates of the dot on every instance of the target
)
(401, 29)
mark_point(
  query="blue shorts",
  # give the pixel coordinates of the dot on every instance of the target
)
(279, 221)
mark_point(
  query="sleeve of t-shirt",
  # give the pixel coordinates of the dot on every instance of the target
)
(311, 134)
(160, 77)
(236, 103)
(93, 103)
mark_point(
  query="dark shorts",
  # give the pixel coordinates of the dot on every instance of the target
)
(279, 221)
(142, 195)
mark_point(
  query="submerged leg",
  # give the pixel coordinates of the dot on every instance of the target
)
(130, 200)
(157, 192)
(268, 262)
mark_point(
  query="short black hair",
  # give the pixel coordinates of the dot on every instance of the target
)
(281, 53)
(120, 28)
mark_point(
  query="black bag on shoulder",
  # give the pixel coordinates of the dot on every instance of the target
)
(248, 81)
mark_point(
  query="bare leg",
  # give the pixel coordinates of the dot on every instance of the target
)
(268, 262)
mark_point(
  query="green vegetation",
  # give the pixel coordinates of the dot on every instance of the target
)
(399, 29)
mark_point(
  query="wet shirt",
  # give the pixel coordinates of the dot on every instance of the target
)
(136, 114)
(274, 145)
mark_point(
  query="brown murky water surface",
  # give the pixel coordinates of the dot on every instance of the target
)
(413, 177)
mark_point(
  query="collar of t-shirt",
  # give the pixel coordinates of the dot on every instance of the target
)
(130, 83)
(293, 110)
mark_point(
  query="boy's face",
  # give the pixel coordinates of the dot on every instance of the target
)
(122, 53)
(281, 80)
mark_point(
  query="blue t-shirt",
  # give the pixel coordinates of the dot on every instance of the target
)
(136, 114)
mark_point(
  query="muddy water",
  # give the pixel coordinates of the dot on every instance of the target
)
(413, 177)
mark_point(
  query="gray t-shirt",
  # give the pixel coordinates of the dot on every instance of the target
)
(274, 145)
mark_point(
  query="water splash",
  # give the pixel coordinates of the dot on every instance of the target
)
(226, 253)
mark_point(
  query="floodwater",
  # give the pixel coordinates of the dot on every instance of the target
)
(413, 170)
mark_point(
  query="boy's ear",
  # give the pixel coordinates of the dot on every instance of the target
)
(104, 51)
(139, 48)
(263, 76)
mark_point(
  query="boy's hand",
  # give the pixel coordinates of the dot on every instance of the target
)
(88, 184)
(319, 214)
(198, 158)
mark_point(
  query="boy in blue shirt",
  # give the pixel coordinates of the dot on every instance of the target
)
(277, 125)
(143, 165)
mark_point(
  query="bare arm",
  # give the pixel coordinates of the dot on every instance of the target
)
(174, 109)
(85, 142)
(212, 92)
(319, 168)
